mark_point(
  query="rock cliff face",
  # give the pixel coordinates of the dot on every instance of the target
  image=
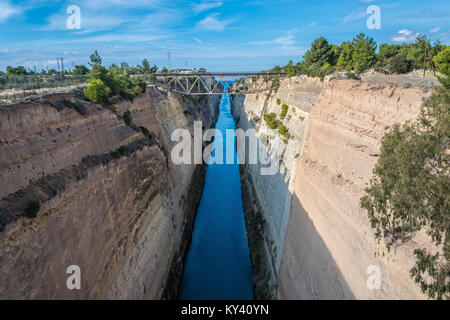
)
(318, 243)
(109, 199)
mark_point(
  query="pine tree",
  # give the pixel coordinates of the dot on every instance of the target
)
(95, 59)
(364, 56)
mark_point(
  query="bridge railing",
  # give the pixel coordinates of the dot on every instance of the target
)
(202, 83)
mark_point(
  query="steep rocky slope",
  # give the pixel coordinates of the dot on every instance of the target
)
(318, 242)
(110, 200)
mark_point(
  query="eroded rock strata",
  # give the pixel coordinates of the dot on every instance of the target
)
(80, 187)
(315, 240)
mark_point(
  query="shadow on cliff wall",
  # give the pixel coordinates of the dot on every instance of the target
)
(308, 269)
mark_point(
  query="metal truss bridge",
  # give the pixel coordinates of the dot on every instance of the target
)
(219, 83)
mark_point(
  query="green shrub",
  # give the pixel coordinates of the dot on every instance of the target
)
(278, 101)
(409, 192)
(284, 131)
(399, 64)
(96, 91)
(276, 84)
(351, 75)
(113, 108)
(271, 121)
(284, 110)
(127, 117)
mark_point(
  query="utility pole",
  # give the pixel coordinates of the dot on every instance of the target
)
(62, 66)
(428, 53)
(168, 60)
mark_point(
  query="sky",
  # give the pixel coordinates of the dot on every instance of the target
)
(220, 35)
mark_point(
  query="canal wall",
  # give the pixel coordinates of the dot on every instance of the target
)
(80, 187)
(308, 236)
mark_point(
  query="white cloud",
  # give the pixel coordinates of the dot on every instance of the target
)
(206, 6)
(212, 23)
(367, 1)
(354, 15)
(7, 10)
(286, 41)
(197, 39)
(312, 24)
(405, 35)
(434, 30)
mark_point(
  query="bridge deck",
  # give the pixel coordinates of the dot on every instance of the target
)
(221, 74)
(204, 83)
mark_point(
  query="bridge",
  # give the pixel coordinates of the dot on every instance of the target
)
(205, 83)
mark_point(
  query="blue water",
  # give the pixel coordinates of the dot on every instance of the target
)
(218, 263)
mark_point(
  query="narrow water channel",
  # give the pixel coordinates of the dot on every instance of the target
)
(218, 263)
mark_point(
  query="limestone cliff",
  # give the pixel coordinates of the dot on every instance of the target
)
(110, 200)
(318, 243)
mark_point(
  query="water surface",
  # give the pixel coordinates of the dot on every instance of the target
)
(218, 263)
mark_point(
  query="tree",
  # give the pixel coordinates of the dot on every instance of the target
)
(386, 52)
(399, 63)
(16, 71)
(80, 69)
(442, 62)
(96, 91)
(145, 66)
(345, 58)
(320, 53)
(410, 191)
(416, 52)
(364, 56)
(95, 59)
(317, 60)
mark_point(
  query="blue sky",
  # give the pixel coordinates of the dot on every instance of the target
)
(221, 35)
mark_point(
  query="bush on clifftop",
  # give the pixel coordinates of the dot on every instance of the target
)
(410, 191)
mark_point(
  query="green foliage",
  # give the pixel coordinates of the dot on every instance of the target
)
(95, 59)
(399, 64)
(276, 84)
(320, 53)
(351, 75)
(364, 56)
(410, 190)
(284, 131)
(113, 108)
(145, 66)
(317, 60)
(345, 58)
(80, 69)
(97, 91)
(442, 61)
(284, 111)
(416, 52)
(278, 101)
(127, 117)
(271, 121)
(16, 71)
